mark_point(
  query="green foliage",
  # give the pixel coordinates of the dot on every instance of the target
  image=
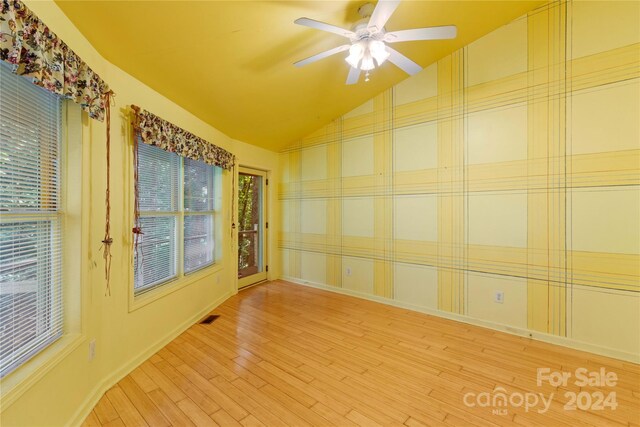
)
(248, 215)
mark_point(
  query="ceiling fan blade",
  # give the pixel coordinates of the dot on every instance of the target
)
(354, 76)
(402, 62)
(322, 55)
(381, 14)
(322, 26)
(430, 33)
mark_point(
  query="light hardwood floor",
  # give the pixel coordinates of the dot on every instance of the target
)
(282, 354)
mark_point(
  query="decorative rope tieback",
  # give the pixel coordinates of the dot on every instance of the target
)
(107, 241)
(137, 227)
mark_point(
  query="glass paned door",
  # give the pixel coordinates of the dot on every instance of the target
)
(252, 266)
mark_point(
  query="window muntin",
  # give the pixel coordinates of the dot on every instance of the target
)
(176, 216)
(31, 303)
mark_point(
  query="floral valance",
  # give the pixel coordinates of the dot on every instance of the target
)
(36, 52)
(154, 130)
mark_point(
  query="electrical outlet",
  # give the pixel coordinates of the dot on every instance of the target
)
(92, 349)
(347, 271)
(498, 297)
(218, 279)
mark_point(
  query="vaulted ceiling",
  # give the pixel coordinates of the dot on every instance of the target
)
(230, 62)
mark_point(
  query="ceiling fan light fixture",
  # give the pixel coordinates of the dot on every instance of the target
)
(367, 62)
(363, 53)
(356, 52)
(378, 51)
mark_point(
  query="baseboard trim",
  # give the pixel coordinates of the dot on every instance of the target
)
(538, 336)
(96, 394)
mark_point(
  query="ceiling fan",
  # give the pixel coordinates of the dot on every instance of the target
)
(369, 40)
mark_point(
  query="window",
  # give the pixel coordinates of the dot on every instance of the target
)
(31, 309)
(175, 196)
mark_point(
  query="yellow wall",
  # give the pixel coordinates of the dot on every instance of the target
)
(61, 386)
(511, 165)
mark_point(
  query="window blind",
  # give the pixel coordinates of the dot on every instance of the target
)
(158, 195)
(176, 205)
(158, 176)
(198, 228)
(31, 310)
(157, 252)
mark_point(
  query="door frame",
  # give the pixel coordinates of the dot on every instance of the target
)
(263, 275)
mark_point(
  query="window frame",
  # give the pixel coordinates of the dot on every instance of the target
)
(44, 219)
(150, 293)
(71, 214)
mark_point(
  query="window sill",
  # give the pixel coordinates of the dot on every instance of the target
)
(136, 302)
(24, 377)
